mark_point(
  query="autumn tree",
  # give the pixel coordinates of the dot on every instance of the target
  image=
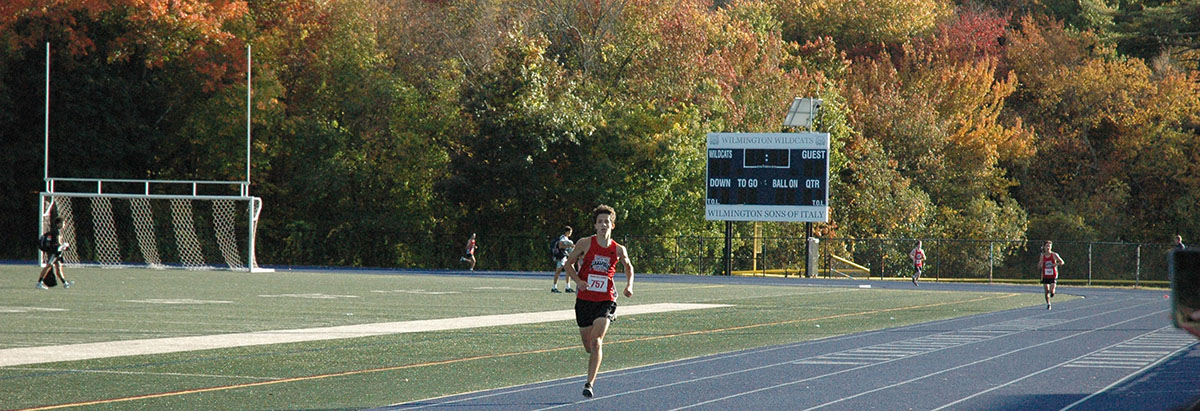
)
(860, 23)
(415, 122)
(1116, 137)
(127, 76)
(934, 108)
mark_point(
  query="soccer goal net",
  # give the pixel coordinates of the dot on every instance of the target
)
(188, 231)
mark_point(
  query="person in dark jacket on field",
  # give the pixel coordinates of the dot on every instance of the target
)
(52, 245)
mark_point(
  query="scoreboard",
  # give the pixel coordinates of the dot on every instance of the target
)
(767, 177)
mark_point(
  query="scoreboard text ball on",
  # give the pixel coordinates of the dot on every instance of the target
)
(767, 177)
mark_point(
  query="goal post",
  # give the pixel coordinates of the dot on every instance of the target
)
(153, 223)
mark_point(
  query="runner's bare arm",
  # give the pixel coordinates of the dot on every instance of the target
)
(624, 256)
(580, 249)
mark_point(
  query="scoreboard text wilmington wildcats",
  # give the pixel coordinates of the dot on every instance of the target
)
(768, 177)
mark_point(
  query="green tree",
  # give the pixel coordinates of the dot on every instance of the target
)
(527, 115)
(349, 153)
(1160, 29)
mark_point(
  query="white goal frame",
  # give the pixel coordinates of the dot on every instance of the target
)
(223, 248)
(140, 193)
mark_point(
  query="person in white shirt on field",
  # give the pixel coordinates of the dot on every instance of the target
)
(562, 247)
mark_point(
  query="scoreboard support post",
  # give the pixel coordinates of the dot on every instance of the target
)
(728, 248)
(807, 236)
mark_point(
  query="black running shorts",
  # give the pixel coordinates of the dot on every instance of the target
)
(1049, 280)
(53, 257)
(586, 312)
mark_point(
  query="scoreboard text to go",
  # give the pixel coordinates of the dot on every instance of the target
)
(767, 177)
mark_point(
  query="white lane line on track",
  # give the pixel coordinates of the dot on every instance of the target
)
(807, 379)
(1127, 377)
(990, 358)
(750, 370)
(921, 345)
(89, 351)
(616, 373)
(1076, 360)
(1056, 366)
(430, 402)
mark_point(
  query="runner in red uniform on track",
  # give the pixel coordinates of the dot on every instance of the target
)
(918, 258)
(596, 297)
(1048, 264)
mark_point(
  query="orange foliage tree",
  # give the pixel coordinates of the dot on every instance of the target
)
(156, 32)
(935, 107)
(1116, 155)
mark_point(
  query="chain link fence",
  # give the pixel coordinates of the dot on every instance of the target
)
(1092, 263)
(1085, 262)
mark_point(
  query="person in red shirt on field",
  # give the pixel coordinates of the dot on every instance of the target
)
(469, 255)
(1048, 263)
(918, 258)
(596, 297)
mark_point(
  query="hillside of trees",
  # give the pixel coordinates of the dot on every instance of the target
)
(387, 131)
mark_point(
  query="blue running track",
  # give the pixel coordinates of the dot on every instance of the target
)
(1113, 350)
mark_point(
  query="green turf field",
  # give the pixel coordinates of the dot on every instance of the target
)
(128, 304)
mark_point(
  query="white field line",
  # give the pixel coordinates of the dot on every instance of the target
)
(87, 351)
(172, 374)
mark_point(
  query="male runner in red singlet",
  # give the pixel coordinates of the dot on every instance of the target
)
(596, 297)
(1048, 263)
(918, 258)
(469, 255)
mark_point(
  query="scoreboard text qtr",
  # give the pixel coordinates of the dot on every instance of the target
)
(767, 177)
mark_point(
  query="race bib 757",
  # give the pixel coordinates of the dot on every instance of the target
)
(597, 283)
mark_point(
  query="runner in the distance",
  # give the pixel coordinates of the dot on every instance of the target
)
(596, 298)
(562, 247)
(1048, 263)
(918, 258)
(469, 254)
